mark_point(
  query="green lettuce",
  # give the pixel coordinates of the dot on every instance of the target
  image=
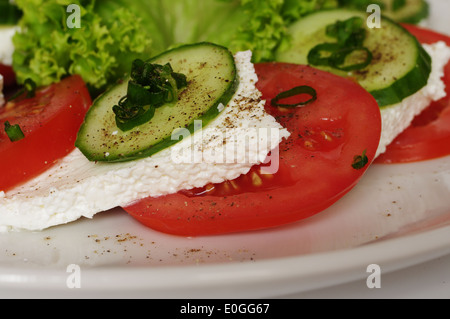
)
(266, 26)
(112, 33)
(46, 49)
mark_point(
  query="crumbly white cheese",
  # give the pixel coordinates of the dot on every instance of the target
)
(396, 118)
(7, 46)
(78, 188)
(2, 99)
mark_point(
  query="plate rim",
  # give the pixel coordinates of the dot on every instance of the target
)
(238, 279)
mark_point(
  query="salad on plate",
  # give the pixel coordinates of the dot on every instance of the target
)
(211, 117)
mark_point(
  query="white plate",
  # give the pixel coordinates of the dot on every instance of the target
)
(396, 217)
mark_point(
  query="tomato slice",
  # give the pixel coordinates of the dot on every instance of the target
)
(315, 162)
(9, 77)
(50, 122)
(428, 137)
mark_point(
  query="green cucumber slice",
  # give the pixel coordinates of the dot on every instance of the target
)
(411, 11)
(212, 80)
(407, 11)
(400, 66)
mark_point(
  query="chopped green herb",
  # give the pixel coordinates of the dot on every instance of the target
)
(350, 35)
(29, 87)
(322, 53)
(14, 132)
(303, 89)
(337, 60)
(150, 87)
(360, 161)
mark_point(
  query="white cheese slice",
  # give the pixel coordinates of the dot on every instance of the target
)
(396, 118)
(78, 188)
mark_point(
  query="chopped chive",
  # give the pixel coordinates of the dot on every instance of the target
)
(338, 58)
(14, 132)
(29, 87)
(350, 35)
(360, 161)
(150, 87)
(321, 54)
(303, 89)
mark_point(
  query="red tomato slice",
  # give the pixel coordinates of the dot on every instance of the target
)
(315, 162)
(50, 122)
(9, 77)
(428, 137)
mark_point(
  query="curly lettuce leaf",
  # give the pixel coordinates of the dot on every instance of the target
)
(264, 29)
(46, 49)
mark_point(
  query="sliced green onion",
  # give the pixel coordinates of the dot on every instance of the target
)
(338, 58)
(142, 116)
(14, 132)
(360, 161)
(180, 79)
(349, 32)
(150, 87)
(321, 53)
(303, 89)
(350, 35)
(29, 87)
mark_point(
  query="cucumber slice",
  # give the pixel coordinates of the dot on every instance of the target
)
(407, 11)
(400, 66)
(212, 80)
